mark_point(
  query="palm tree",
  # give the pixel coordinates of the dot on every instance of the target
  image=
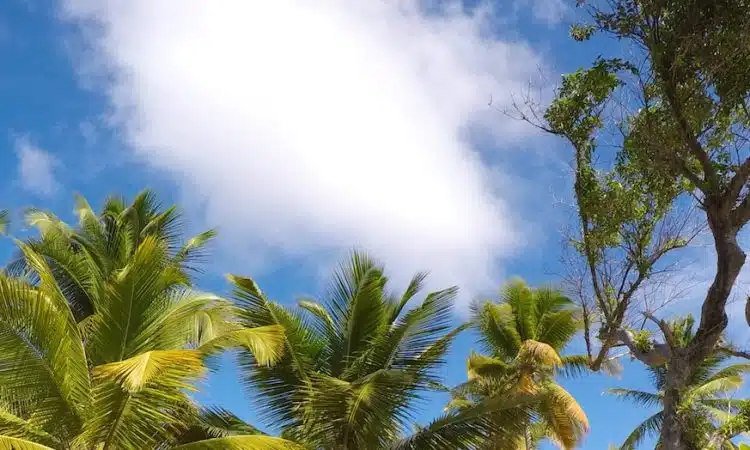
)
(118, 376)
(523, 336)
(356, 365)
(108, 241)
(713, 417)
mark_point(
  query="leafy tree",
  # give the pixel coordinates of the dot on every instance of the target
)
(657, 131)
(524, 335)
(107, 240)
(120, 376)
(713, 417)
(356, 365)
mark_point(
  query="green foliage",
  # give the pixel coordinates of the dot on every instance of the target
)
(523, 335)
(103, 339)
(357, 364)
(713, 417)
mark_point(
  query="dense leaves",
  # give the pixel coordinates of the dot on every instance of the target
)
(523, 335)
(103, 339)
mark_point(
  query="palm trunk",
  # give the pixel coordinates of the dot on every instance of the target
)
(674, 436)
(671, 431)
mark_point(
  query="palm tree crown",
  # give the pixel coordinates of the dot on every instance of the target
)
(523, 335)
(116, 375)
(714, 417)
(356, 364)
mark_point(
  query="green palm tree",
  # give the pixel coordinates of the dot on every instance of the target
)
(523, 336)
(108, 241)
(714, 417)
(118, 376)
(356, 365)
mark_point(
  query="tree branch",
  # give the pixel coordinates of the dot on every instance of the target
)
(664, 327)
(655, 357)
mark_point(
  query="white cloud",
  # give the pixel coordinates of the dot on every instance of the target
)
(316, 125)
(550, 12)
(36, 168)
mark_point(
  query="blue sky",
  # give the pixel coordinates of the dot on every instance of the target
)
(301, 131)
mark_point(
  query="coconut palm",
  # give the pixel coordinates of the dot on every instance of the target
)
(118, 377)
(523, 336)
(107, 240)
(356, 365)
(713, 417)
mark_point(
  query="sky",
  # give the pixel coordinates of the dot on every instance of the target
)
(301, 129)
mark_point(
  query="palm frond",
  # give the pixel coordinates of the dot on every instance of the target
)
(356, 303)
(4, 220)
(521, 298)
(558, 328)
(241, 443)
(648, 427)
(717, 386)
(194, 250)
(485, 366)
(42, 361)
(142, 401)
(415, 285)
(411, 335)
(266, 343)
(574, 366)
(639, 397)
(497, 419)
(497, 330)
(13, 426)
(171, 367)
(215, 422)
(12, 443)
(539, 353)
(565, 419)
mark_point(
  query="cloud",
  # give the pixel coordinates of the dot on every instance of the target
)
(550, 12)
(313, 126)
(36, 168)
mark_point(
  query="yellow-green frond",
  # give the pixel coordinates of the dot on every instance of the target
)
(717, 386)
(485, 366)
(265, 343)
(42, 361)
(46, 222)
(172, 367)
(11, 443)
(4, 219)
(242, 443)
(539, 353)
(565, 418)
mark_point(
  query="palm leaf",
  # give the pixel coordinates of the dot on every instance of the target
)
(639, 397)
(42, 361)
(539, 353)
(142, 401)
(497, 419)
(241, 443)
(266, 343)
(166, 366)
(565, 419)
(521, 298)
(12, 443)
(4, 220)
(648, 427)
(215, 422)
(497, 331)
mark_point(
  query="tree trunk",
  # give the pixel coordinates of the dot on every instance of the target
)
(682, 364)
(672, 433)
